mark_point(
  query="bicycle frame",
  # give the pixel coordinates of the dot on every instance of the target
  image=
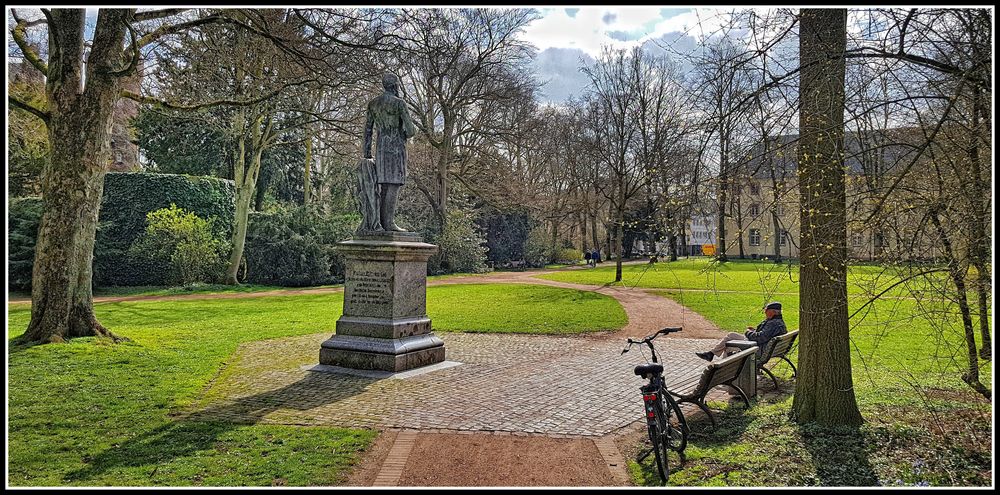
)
(657, 402)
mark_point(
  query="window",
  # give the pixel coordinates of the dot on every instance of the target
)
(858, 239)
(783, 238)
(755, 237)
(879, 240)
(754, 209)
(780, 209)
(754, 188)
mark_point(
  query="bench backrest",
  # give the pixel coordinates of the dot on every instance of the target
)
(778, 346)
(724, 371)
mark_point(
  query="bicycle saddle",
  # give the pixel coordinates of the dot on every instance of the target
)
(645, 369)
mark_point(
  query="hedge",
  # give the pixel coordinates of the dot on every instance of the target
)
(23, 216)
(128, 197)
(295, 248)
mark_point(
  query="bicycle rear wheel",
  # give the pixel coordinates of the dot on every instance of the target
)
(660, 449)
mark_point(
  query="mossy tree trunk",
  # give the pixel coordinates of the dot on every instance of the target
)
(79, 124)
(246, 170)
(824, 391)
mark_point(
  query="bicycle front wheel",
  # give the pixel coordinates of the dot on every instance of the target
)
(676, 432)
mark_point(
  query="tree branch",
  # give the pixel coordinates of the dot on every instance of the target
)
(149, 100)
(157, 14)
(18, 33)
(134, 60)
(167, 29)
(27, 107)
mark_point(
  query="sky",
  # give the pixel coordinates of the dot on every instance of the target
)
(568, 37)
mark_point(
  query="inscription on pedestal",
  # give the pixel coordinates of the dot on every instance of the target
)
(371, 287)
(369, 290)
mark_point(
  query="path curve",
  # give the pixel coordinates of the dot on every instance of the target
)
(646, 312)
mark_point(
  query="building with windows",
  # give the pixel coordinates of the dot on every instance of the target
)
(763, 215)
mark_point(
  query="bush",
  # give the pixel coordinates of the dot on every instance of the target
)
(129, 197)
(461, 247)
(23, 216)
(568, 256)
(506, 235)
(179, 245)
(294, 247)
(538, 248)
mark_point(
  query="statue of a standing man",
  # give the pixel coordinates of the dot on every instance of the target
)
(388, 116)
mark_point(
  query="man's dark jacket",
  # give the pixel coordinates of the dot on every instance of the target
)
(766, 331)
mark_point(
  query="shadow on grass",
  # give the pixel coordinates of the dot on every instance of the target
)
(731, 423)
(202, 430)
(840, 455)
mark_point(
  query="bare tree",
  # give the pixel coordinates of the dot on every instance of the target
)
(723, 85)
(455, 64)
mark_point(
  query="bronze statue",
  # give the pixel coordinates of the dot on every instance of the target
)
(379, 179)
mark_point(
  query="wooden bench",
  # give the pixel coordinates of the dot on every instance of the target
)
(724, 372)
(777, 348)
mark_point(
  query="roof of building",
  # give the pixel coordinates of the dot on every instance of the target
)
(877, 152)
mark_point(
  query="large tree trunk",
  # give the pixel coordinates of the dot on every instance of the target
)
(244, 195)
(824, 390)
(79, 126)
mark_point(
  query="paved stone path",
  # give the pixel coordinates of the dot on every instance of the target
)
(578, 386)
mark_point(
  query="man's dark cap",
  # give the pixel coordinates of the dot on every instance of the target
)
(773, 305)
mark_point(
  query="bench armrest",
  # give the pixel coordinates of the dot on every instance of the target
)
(741, 344)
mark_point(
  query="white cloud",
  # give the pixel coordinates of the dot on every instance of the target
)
(587, 30)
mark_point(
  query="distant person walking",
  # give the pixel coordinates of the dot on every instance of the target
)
(586, 256)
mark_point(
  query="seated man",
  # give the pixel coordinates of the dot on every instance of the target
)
(770, 328)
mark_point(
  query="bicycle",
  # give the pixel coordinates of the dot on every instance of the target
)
(667, 427)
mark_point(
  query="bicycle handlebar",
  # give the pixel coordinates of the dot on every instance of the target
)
(649, 338)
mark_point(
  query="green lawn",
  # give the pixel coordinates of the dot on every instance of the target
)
(92, 413)
(517, 308)
(761, 277)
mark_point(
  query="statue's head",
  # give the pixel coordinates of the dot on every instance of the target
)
(391, 83)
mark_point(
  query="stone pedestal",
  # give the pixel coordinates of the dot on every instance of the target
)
(385, 324)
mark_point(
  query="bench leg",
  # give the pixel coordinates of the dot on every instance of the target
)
(704, 407)
(794, 371)
(773, 378)
(743, 395)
